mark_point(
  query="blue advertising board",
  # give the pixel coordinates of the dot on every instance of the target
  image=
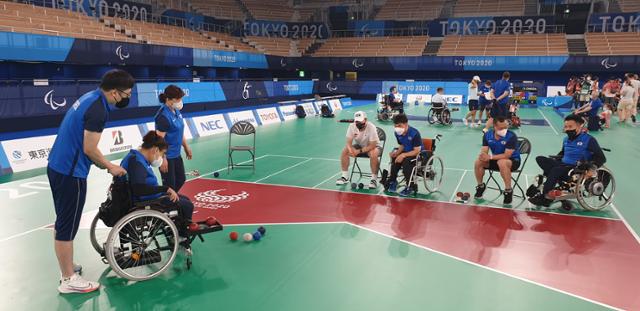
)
(286, 29)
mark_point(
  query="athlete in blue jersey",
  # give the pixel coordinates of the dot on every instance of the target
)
(504, 157)
(170, 125)
(577, 146)
(75, 149)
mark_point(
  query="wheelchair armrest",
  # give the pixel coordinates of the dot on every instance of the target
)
(555, 157)
(150, 202)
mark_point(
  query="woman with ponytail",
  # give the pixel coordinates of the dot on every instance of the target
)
(170, 125)
(139, 164)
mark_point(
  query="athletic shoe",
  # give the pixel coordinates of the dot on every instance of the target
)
(633, 118)
(540, 200)
(479, 122)
(77, 268)
(393, 187)
(480, 191)
(373, 184)
(406, 192)
(508, 197)
(76, 284)
(341, 181)
(465, 121)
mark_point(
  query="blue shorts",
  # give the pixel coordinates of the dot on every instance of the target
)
(473, 104)
(69, 194)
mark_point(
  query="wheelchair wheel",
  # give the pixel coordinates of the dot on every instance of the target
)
(431, 116)
(142, 245)
(446, 117)
(596, 193)
(432, 174)
(98, 234)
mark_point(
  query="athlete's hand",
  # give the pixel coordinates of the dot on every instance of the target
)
(164, 168)
(173, 196)
(189, 153)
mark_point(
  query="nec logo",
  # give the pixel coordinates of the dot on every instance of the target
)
(211, 125)
(117, 138)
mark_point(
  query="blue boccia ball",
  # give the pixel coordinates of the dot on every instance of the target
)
(257, 236)
(262, 230)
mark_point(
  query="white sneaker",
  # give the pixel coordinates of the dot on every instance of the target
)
(479, 122)
(341, 181)
(76, 284)
(465, 121)
(373, 184)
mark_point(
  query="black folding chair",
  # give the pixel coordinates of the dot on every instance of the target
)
(242, 128)
(355, 168)
(524, 147)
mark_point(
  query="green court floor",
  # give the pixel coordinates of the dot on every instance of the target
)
(333, 266)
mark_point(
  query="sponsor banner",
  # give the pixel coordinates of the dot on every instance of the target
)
(615, 22)
(318, 104)
(490, 25)
(151, 126)
(288, 112)
(95, 8)
(147, 93)
(247, 115)
(244, 90)
(214, 58)
(210, 125)
(426, 87)
(309, 109)
(418, 99)
(28, 153)
(289, 88)
(335, 104)
(120, 139)
(268, 115)
(346, 102)
(555, 101)
(285, 29)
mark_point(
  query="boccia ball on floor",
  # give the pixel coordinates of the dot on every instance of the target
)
(262, 230)
(233, 236)
(216, 174)
(248, 237)
(257, 236)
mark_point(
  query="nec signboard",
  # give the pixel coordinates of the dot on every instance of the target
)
(210, 125)
(268, 116)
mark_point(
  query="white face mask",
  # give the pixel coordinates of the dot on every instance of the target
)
(502, 133)
(178, 105)
(157, 162)
(399, 130)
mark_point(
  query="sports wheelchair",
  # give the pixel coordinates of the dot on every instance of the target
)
(429, 168)
(440, 113)
(593, 187)
(144, 237)
(388, 109)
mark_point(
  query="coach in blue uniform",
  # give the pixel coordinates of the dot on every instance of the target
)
(501, 92)
(504, 157)
(577, 146)
(170, 125)
(75, 149)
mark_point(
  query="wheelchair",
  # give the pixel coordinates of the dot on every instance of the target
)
(429, 168)
(387, 110)
(591, 186)
(144, 242)
(439, 113)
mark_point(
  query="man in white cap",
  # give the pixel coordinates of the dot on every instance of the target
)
(363, 142)
(473, 102)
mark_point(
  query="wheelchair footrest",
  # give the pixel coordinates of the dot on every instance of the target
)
(137, 259)
(204, 228)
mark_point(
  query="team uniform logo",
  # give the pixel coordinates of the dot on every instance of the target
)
(212, 199)
(48, 99)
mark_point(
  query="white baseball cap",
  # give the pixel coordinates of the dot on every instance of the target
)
(477, 78)
(359, 116)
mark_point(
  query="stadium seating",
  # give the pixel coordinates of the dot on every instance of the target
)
(465, 8)
(224, 9)
(373, 46)
(613, 43)
(629, 6)
(279, 46)
(274, 10)
(15, 17)
(504, 45)
(408, 10)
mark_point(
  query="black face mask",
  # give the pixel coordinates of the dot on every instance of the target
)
(360, 126)
(124, 102)
(572, 134)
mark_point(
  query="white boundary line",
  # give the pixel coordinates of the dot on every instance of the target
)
(633, 232)
(23, 233)
(487, 268)
(298, 157)
(282, 170)
(453, 195)
(548, 122)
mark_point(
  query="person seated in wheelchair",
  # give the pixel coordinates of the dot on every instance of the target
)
(590, 111)
(139, 164)
(577, 147)
(394, 100)
(438, 101)
(504, 157)
(362, 141)
(409, 147)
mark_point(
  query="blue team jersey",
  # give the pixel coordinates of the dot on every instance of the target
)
(485, 90)
(172, 124)
(499, 88)
(90, 112)
(145, 176)
(500, 145)
(577, 149)
(410, 140)
(596, 104)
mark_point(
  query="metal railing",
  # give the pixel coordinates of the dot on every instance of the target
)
(387, 32)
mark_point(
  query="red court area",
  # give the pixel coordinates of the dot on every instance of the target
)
(595, 258)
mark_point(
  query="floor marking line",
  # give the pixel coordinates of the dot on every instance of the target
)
(420, 199)
(453, 195)
(324, 181)
(224, 168)
(282, 170)
(633, 232)
(299, 157)
(526, 182)
(548, 122)
(486, 267)
(22, 233)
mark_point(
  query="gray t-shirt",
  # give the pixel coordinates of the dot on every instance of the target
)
(364, 137)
